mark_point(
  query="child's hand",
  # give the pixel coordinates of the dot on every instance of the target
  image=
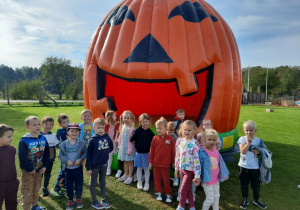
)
(32, 172)
(89, 172)
(42, 170)
(150, 166)
(176, 173)
(77, 162)
(70, 163)
(227, 178)
(197, 181)
(255, 152)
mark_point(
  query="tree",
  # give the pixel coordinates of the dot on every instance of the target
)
(26, 90)
(289, 79)
(75, 87)
(7, 75)
(57, 73)
(29, 73)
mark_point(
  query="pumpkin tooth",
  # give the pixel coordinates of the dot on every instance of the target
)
(187, 85)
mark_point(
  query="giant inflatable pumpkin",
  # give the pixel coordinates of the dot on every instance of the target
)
(156, 56)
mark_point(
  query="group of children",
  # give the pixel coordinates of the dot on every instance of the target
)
(194, 158)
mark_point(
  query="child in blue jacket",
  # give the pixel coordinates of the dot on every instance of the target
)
(213, 169)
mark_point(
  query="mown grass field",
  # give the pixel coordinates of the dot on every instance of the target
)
(280, 131)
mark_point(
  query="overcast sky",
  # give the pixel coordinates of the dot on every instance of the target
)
(267, 31)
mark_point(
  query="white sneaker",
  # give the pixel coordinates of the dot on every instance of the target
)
(298, 186)
(168, 198)
(158, 196)
(140, 185)
(118, 174)
(122, 178)
(128, 180)
(134, 177)
(175, 182)
(108, 172)
(146, 187)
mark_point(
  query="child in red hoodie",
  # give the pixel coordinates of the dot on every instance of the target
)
(162, 154)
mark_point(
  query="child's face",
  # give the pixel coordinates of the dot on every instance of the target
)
(127, 119)
(207, 125)
(188, 132)
(73, 133)
(145, 124)
(114, 117)
(34, 126)
(181, 115)
(47, 126)
(170, 132)
(64, 123)
(99, 129)
(86, 117)
(249, 132)
(161, 130)
(210, 141)
(6, 139)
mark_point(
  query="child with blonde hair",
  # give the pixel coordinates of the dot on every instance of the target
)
(126, 149)
(161, 156)
(86, 126)
(142, 139)
(249, 165)
(207, 124)
(213, 169)
(112, 129)
(187, 163)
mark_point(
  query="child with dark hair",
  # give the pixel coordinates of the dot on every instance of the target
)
(8, 174)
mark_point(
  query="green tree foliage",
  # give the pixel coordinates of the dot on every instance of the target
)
(57, 73)
(7, 76)
(25, 90)
(75, 86)
(283, 80)
(27, 73)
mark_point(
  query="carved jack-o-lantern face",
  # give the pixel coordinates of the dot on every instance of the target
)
(157, 56)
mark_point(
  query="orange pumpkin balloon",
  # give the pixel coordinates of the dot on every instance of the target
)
(156, 56)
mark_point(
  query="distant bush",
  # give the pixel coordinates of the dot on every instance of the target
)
(26, 90)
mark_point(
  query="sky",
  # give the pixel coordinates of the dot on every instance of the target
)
(267, 31)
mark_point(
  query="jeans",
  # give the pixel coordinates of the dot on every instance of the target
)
(74, 176)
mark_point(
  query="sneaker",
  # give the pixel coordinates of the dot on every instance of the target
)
(146, 187)
(45, 192)
(244, 203)
(79, 204)
(175, 182)
(70, 205)
(37, 207)
(140, 185)
(57, 192)
(158, 196)
(105, 204)
(118, 174)
(122, 178)
(168, 198)
(128, 180)
(135, 178)
(260, 204)
(108, 172)
(298, 186)
(179, 208)
(97, 205)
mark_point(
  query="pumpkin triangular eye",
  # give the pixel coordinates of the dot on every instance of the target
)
(118, 15)
(148, 51)
(191, 12)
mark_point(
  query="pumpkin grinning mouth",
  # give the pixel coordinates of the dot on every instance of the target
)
(106, 82)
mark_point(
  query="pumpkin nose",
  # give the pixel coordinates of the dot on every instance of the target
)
(149, 50)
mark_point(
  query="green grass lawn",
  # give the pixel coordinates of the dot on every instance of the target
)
(279, 129)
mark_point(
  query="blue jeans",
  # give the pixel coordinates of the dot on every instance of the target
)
(74, 176)
(60, 182)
